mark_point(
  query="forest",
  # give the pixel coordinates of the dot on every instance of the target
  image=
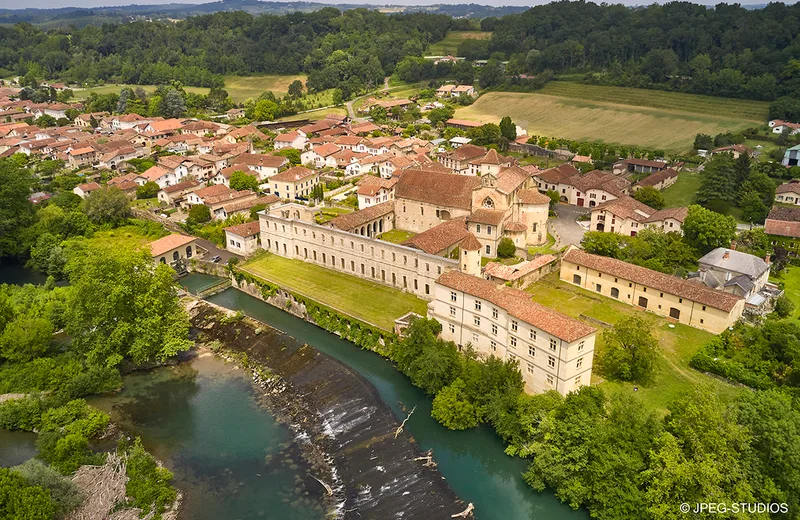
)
(726, 50)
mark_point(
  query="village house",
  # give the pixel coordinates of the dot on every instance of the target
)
(684, 301)
(174, 250)
(266, 166)
(83, 190)
(789, 192)
(463, 124)
(79, 157)
(633, 165)
(659, 180)
(127, 121)
(294, 183)
(374, 190)
(554, 351)
(160, 175)
(176, 194)
(627, 216)
(459, 159)
(735, 149)
(243, 239)
(733, 272)
(290, 140)
(791, 157)
(587, 190)
(113, 159)
(224, 175)
(783, 228)
(522, 274)
(321, 156)
(778, 126)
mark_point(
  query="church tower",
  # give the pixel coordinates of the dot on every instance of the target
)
(470, 256)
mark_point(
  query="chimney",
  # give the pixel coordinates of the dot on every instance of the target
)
(726, 255)
(733, 245)
(768, 259)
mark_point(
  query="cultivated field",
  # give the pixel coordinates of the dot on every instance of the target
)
(371, 302)
(648, 118)
(240, 88)
(83, 93)
(453, 39)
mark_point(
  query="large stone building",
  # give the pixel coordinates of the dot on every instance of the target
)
(289, 230)
(554, 351)
(627, 216)
(732, 271)
(690, 303)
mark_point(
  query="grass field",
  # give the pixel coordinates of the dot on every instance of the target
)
(121, 237)
(790, 278)
(367, 301)
(453, 39)
(682, 193)
(315, 115)
(396, 236)
(662, 120)
(83, 93)
(677, 345)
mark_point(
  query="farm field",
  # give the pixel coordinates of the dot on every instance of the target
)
(83, 93)
(682, 193)
(669, 129)
(453, 39)
(371, 302)
(315, 115)
(676, 345)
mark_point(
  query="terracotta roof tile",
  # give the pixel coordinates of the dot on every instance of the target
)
(245, 230)
(440, 237)
(659, 281)
(440, 189)
(294, 174)
(358, 218)
(532, 197)
(168, 243)
(519, 305)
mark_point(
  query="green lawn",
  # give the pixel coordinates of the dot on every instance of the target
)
(362, 299)
(396, 236)
(449, 46)
(655, 119)
(505, 261)
(677, 345)
(790, 278)
(328, 214)
(121, 237)
(83, 93)
(315, 115)
(682, 193)
(545, 249)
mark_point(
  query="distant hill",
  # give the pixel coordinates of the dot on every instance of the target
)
(80, 17)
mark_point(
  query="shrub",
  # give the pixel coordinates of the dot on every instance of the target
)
(21, 500)
(148, 485)
(506, 248)
(63, 492)
(451, 408)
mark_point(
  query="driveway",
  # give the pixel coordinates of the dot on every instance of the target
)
(565, 228)
(224, 254)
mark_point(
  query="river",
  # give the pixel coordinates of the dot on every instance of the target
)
(232, 459)
(473, 461)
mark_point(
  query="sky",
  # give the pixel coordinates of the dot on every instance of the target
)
(16, 4)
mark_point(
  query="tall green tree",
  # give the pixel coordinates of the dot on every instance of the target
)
(718, 182)
(107, 206)
(508, 128)
(650, 196)
(16, 211)
(122, 306)
(631, 351)
(706, 229)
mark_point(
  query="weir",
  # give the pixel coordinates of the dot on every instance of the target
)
(372, 467)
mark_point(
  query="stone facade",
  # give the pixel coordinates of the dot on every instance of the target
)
(289, 231)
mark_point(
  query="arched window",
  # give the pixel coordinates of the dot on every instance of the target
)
(188, 251)
(488, 203)
(163, 260)
(535, 226)
(175, 256)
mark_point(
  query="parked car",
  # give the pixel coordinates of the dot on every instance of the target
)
(215, 258)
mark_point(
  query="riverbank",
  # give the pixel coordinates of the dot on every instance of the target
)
(372, 470)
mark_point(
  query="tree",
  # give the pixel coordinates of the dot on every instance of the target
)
(293, 154)
(441, 114)
(25, 338)
(19, 499)
(741, 169)
(198, 214)
(554, 197)
(62, 490)
(121, 306)
(296, 88)
(753, 241)
(650, 196)
(753, 209)
(491, 74)
(16, 211)
(705, 229)
(703, 142)
(172, 104)
(506, 248)
(718, 180)
(452, 409)
(147, 190)
(784, 306)
(45, 121)
(485, 135)
(631, 351)
(107, 205)
(264, 110)
(508, 128)
(243, 181)
(337, 97)
(601, 243)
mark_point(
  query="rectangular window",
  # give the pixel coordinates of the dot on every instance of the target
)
(494, 329)
(494, 313)
(533, 335)
(552, 344)
(581, 345)
(531, 351)
(478, 228)
(452, 311)
(476, 320)
(452, 329)
(475, 337)
(530, 368)
(598, 287)
(579, 363)
(477, 305)
(453, 296)
(551, 361)
(493, 346)
(577, 381)
(550, 380)
(513, 341)
(514, 325)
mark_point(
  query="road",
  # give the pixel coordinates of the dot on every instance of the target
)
(213, 250)
(565, 227)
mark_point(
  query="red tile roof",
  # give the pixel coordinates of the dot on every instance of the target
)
(532, 197)
(519, 305)
(439, 189)
(361, 217)
(294, 174)
(440, 237)
(168, 243)
(653, 279)
(247, 229)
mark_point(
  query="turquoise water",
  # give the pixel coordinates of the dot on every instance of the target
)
(230, 458)
(473, 462)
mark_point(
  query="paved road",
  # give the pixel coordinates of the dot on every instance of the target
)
(565, 227)
(213, 250)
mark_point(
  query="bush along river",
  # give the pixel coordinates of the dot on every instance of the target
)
(473, 461)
